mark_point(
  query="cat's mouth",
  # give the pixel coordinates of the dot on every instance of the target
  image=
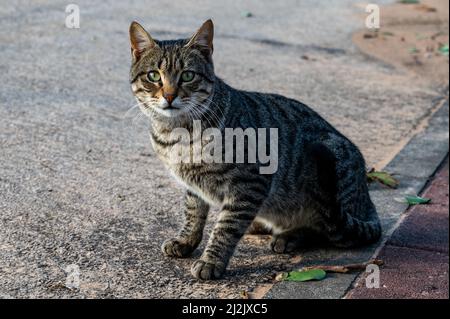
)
(170, 111)
(163, 109)
(168, 108)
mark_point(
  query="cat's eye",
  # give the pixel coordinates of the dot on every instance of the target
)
(154, 76)
(187, 76)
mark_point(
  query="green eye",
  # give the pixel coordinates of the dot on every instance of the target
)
(154, 76)
(187, 76)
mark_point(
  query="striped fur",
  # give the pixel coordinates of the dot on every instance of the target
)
(319, 190)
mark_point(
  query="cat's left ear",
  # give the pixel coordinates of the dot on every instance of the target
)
(203, 39)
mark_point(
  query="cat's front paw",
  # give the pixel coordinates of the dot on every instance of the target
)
(207, 271)
(176, 247)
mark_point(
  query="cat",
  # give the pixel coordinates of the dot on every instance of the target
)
(318, 192)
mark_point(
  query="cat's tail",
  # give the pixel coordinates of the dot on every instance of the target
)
(352, 219)
(352, 231)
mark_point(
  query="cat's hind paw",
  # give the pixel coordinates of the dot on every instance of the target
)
(281, 244)
(176, 247)
(207, 271)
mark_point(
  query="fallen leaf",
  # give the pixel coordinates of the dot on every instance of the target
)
(370, 35)
(281, 276)
(244, 294)
(247, 14)
(409, 1)
(387, 33)
(444, 49)
(417, 200)
(306, 275)
(424, 7)
(382, 178)
(413, 50)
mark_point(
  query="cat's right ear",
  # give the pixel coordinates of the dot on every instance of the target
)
(140, 40)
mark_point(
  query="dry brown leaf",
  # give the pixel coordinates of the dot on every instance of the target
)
(244, 294)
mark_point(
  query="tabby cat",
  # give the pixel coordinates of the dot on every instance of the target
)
(319, 191)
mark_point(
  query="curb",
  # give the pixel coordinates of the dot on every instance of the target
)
(416, 255)
(413, 166)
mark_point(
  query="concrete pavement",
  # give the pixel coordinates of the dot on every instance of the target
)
(79, 182)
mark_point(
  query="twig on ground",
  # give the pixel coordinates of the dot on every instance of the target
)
(345, 268)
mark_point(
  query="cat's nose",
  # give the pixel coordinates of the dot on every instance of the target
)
(170, 97)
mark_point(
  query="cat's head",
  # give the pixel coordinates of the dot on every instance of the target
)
(172, 78)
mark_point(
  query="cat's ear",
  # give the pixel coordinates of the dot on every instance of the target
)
(203, 39)
(140, 40)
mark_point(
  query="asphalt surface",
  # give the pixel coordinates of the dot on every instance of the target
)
(79, 182)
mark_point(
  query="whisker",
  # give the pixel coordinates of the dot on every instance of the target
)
(130, 110)
(215, 103)
(197, 112)
(218, 119)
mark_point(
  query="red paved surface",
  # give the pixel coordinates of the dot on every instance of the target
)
(416, 256)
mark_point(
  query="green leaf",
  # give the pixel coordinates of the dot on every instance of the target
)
(416, 200)
(444, 49)
(246, 14)
(382, 178)
(306, 275)
(409, 1)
